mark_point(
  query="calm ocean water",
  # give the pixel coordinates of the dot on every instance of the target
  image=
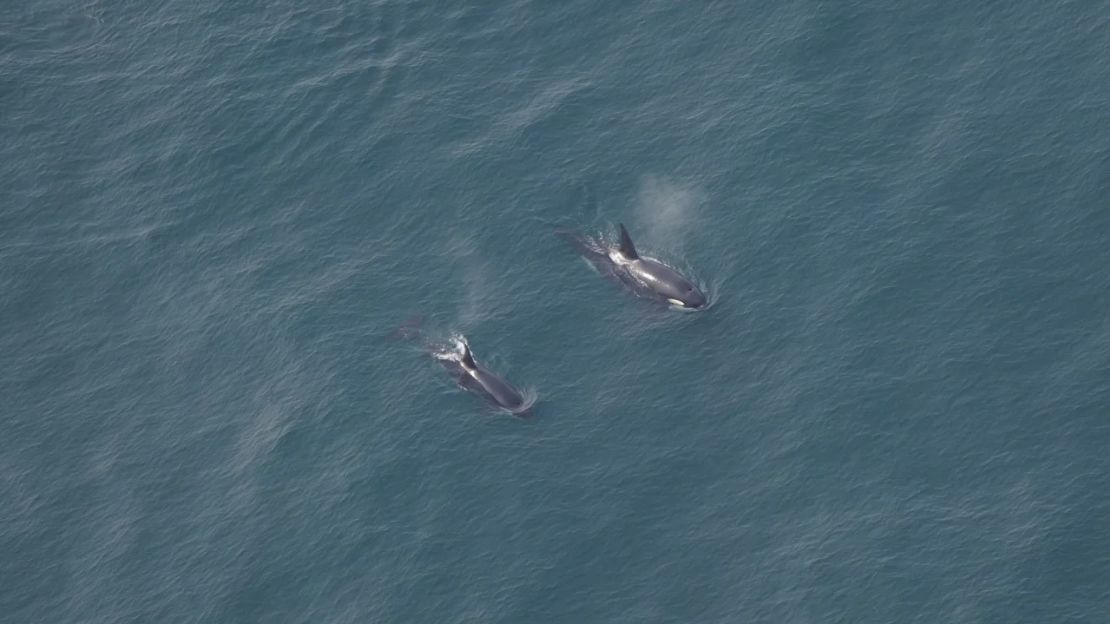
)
(214, 213)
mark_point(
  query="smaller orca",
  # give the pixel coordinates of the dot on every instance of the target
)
(645, 275)
(475, 377)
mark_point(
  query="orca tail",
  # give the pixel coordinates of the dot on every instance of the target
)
(627, 249)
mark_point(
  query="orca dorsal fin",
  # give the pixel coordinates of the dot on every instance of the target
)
(627, 249)
(465, 356)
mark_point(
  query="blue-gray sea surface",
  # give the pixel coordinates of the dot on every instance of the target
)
(215, 214)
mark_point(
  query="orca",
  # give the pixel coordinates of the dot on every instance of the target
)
(647, 276)
(473, 376)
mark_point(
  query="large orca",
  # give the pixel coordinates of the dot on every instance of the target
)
(645, 275)
(475, 377)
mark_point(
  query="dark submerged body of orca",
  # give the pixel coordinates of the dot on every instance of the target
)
(646, 276)
(477, 378)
